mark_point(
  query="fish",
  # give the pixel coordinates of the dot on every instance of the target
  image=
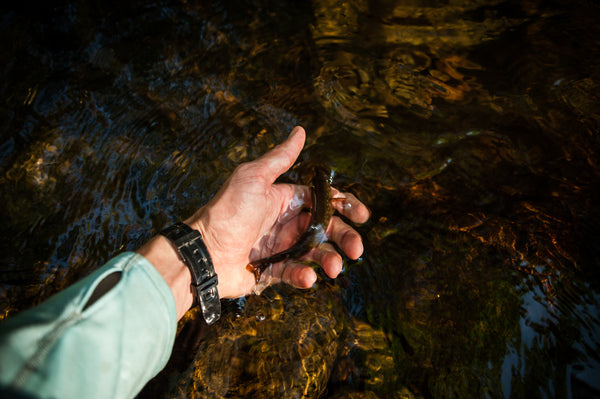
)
(321, 213)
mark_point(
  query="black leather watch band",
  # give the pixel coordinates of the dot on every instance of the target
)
(193, 253)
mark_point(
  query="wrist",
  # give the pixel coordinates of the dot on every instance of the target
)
(199, 222)
(164, 257)
(192, 250)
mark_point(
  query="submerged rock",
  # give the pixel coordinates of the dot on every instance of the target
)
(281, 344)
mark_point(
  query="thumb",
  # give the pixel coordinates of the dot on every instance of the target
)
(283, 156)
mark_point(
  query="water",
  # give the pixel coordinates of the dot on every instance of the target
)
(470, 129)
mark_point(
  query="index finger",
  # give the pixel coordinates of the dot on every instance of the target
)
(350, 206)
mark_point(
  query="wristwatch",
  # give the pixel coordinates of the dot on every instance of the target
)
(194, 254)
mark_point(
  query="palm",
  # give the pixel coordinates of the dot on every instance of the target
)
(251, 221)
(251, 218)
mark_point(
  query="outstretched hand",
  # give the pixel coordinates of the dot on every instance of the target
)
(251, 217)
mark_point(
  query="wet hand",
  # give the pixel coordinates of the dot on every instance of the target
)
(252, 217)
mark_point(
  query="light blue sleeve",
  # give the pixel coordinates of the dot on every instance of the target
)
(109, 349)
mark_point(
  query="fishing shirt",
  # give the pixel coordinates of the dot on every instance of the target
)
(104, 337)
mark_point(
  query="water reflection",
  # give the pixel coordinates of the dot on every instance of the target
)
(469, 128)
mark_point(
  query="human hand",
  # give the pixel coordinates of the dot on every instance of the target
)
(252, 217)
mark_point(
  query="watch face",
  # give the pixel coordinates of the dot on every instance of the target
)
(176, 231)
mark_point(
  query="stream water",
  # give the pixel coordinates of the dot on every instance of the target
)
(470, 129)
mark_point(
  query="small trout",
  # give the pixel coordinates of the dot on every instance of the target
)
(315, 233)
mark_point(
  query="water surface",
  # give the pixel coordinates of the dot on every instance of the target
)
(470, 129)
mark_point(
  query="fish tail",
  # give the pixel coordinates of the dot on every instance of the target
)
(257, 268)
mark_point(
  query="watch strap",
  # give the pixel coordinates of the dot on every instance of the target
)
(194, 254)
